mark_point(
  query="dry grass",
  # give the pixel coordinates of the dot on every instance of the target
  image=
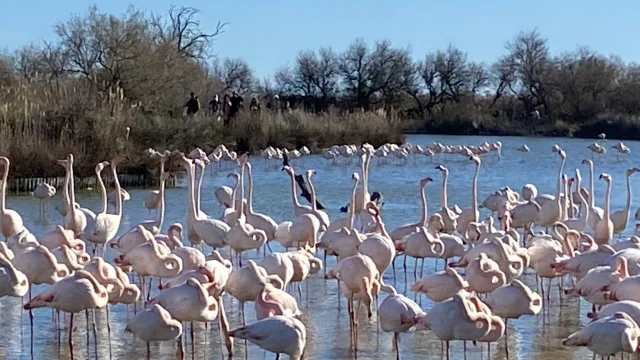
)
(40, 124)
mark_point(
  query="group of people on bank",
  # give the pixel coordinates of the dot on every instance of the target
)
(230, 106)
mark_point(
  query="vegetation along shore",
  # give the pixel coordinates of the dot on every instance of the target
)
(117, 83)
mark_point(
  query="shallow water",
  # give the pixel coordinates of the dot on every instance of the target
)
(536, 337)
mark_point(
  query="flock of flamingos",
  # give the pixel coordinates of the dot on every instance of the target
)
(578, 247)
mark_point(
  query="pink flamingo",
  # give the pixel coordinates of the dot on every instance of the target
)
(154, 324)
(10, 221)
(441, 285)
(278, 334)
(12, 281)
(456, 319)
(77, 292)
(273, 301)
(398, 314)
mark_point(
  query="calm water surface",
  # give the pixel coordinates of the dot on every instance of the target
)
(535, 337)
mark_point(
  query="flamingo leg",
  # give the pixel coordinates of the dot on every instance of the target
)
(149, 292)
(148, 347)
(71, 331)
(506, 338)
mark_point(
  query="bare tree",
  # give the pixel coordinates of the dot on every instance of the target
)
(299, 80)
(528, 56)
(235, 75)
(182, 29)
(368, 74)
(451, 66)
(29, 62)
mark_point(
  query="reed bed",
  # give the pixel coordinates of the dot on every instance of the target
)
(41, 123)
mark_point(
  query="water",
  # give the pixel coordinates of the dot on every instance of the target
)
(535, 337)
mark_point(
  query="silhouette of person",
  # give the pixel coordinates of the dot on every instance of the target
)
(192, 105)
(236, 104)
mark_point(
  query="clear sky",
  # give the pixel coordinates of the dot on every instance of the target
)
(268, 34)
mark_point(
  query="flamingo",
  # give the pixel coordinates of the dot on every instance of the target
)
(621, 217)
(511, 301)
(107, 225)
(404, 230)
(74, 293)
(449, 216)
(60, 236)
(39, 266)
(272, 301)
(151, 259)
(278, 264)
(603, 231)
(360, 280)
(65, 256)
(456, 319)
(212, 232)
(241, 235)
(259, 221)
(631, 308)
(471, 214)
(74, 219)
(155, 226)
(484, 275)
(154, 324)
(43, 192)
(12, 281)
(607, 336)
(321, 215)
(398, 314)
(595, 213)
(551, 211)
(191, 302)
(10, 221)
(278, 334)
(441, 285)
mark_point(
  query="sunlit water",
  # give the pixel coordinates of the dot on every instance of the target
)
(534, 337)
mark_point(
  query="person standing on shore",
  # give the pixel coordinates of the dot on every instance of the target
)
(213, 105)
(192, 105)
(226, 110)
(236, 104)
(255, 105)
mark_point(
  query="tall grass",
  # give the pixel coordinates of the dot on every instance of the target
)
(42, 123)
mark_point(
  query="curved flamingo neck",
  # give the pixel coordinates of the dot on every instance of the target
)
(241, 209)
(192, 199)
(160, 216)
(296, 204)
(365, 184)
(103, 191)
(313, 194)
(559, 183)
(116, 181)
(72, 190)
(423, 199)
(445, 178)
(627, 205)
(234, 193)
(352, 211)
(569, 207)
(474, 193)
(250, 191)
(5, 174)
(197, 190)
(65, 192)
(591, 186)
(607, 196)
(585, 206)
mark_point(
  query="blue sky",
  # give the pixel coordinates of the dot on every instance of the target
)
(268, 34)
